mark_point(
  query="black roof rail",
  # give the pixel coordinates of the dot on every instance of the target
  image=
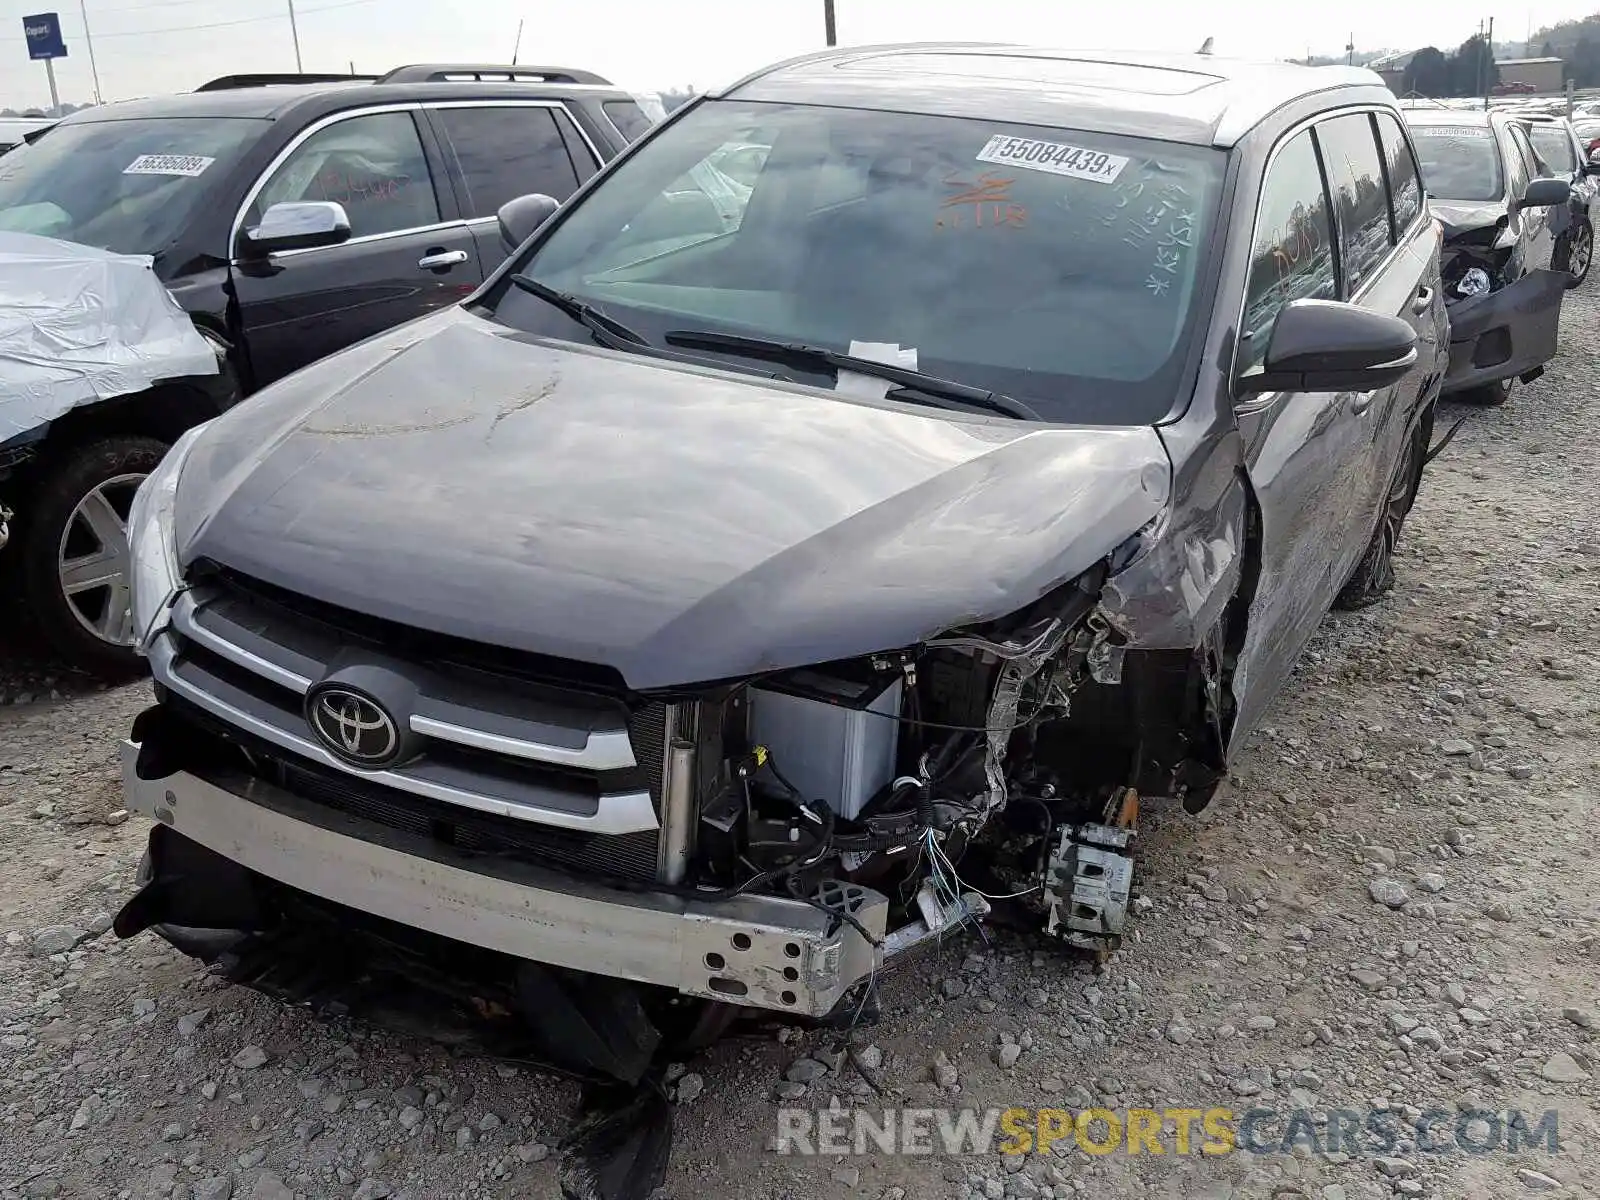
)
(489, 73)
(227, 83)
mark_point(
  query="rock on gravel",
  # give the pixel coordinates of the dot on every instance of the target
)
(56, 939)
(1563, 1068)
(1387, 891)
(250, 1058)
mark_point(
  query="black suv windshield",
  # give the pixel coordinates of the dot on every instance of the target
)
(128, 186)
(1056, 266)
(1459, 162)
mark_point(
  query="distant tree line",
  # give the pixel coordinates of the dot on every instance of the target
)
(1577, 43)
(1470, 71)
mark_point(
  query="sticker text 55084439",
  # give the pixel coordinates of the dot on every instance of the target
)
(1057, 158)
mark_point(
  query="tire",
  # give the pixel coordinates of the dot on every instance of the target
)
(1489, 395)
(1577, 252)
(1373, 577)
(77, 512)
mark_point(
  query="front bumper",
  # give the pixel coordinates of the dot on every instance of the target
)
(759, 951)
(1507, 333)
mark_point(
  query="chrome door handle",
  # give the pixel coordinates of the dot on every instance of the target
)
(442, 258)
(1423, 300)
(1362, 402)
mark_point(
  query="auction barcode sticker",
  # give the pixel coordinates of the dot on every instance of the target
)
(1055, 157)
(1452, 131)
(168, 164)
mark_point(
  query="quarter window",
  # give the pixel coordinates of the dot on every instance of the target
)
(373, 165)
(1355, 179)
(506, 152)
(628, 117)
(1405, 184)
(1292, 256)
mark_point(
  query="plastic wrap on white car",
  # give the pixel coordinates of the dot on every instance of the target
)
(80, 325)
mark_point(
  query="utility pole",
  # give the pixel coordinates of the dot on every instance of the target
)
(1350, 51)
(828, 26)
(294, 31)
(83, 8)
(1486, 62)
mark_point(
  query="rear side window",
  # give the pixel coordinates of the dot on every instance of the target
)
(505, 152)
(1555, 148)
(1291, 256)
(1355, 179)
(1405, 184)
(628, 117)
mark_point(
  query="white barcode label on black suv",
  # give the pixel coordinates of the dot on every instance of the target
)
(168, 164)
(1057, 158)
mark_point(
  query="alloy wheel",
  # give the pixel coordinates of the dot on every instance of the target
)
(94, 564)
(1582, 252)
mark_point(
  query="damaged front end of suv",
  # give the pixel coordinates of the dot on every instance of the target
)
(771, 840)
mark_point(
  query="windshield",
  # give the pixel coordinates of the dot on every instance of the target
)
(1056, 266)
(1459, 162)
(126, 186)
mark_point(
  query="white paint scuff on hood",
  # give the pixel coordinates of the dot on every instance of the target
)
(79, 325)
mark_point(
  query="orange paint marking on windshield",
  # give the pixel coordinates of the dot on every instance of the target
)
(980, 203)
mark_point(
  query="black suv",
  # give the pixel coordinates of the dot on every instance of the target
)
(291, 216)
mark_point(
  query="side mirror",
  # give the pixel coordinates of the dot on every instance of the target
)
(520, 218)
(296, 226)
(1546, 193)
(1328, 346)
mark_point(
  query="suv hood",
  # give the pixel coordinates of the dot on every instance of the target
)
(1459, 217)
(678, 525)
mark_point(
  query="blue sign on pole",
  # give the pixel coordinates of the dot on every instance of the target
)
(43, 34)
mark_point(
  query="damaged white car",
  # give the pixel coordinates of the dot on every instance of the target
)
(100, 371)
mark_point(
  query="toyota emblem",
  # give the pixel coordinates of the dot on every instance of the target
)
(354, 727)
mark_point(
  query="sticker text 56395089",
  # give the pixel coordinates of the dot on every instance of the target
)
(168, 164)
(1057, 158)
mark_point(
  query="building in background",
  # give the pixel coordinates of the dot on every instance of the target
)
(1542, 74)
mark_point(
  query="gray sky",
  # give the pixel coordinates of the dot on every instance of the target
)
(142, 48)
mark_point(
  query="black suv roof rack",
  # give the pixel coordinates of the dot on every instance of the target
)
(489, 73)
(227, 83)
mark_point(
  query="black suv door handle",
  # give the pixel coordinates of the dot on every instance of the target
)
(439, 257)
(1423, 300)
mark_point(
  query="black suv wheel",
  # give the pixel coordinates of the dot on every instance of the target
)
(76, 569)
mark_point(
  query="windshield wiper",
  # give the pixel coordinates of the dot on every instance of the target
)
(910, 383)
(608, 331)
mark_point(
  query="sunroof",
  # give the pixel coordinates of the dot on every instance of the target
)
(1055, 72)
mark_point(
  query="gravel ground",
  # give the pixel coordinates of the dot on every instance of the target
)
(1394, 909)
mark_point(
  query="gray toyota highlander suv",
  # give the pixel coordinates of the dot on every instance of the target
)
(758, 577)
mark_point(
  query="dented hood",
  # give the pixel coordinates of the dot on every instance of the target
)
(1463, 217)
(676, 524)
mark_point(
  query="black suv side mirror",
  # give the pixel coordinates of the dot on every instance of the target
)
(520, 218)
(1328, 346)
(299, 225)
(1546, 193)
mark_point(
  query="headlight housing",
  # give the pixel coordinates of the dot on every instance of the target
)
(152, 545)
(1474, 281)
